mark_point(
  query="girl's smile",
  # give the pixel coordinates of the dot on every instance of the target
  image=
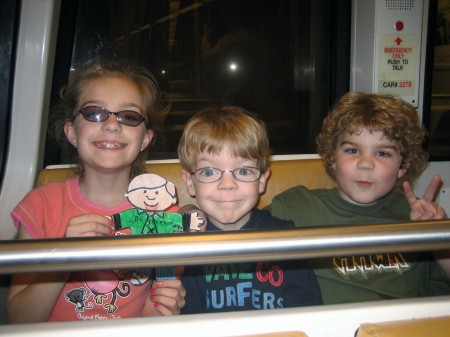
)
(109, 145)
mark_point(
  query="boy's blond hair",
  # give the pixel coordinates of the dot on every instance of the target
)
(397, 119)
(214, 127)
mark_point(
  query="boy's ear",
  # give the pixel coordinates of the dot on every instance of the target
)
(187, 178)
(403, 168)
(333, 166)
(263, 180)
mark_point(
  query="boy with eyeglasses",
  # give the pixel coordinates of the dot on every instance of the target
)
(224, 152)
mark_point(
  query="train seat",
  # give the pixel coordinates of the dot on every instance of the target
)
(286, 172)
(431, 326)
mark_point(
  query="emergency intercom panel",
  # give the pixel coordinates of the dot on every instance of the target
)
(397, 52)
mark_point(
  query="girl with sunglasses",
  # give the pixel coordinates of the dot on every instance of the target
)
(111, 116)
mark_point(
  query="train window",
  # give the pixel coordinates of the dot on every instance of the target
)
(9, 19)
(286, 60)
(437, 117)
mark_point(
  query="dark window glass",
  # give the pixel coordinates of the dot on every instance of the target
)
(437, 117)
(286, 60)
(9, 22)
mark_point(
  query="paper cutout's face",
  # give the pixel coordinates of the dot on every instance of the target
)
(154, 199)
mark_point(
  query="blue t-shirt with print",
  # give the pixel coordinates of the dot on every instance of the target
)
(253, 285)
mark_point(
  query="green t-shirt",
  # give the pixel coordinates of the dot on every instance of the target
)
(358, 278)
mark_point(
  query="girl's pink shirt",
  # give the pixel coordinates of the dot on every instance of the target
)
(88, 295)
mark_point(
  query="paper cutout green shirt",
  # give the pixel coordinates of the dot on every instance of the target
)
(148, 222)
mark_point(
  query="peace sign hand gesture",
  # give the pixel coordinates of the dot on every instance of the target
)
(424, 208)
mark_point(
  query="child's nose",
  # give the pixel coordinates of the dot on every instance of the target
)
(227, 180)
(366, 162)
(111, 124)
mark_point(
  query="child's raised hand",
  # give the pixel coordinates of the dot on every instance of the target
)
(167, 298)
(89, 225)
(424, 208)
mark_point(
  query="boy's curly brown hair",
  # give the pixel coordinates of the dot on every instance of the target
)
(397, 119)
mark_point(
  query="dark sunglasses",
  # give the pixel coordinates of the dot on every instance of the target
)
(98, 114)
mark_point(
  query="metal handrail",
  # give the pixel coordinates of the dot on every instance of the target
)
(69, 254)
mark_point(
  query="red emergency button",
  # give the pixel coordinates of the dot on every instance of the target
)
(399, 25)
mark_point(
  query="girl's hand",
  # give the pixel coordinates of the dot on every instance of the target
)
(167, 297)
(89, 225)
(424, 208)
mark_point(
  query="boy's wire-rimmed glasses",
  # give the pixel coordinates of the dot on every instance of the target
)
(246, 174)
(97, 114)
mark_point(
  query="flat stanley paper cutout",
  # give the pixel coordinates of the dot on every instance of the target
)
(150, 196)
